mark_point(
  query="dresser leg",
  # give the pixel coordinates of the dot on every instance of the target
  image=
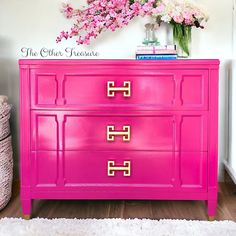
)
(211, 207)
(211, 218)
(26, 208)
(26, 217)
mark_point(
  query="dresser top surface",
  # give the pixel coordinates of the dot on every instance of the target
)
(68, 62)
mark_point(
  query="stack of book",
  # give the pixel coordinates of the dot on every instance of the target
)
(165, 52)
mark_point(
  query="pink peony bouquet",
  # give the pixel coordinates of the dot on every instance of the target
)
(102, 15)
(181, 12)
(182, 15)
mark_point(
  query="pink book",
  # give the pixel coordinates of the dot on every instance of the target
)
(168, 47)
(156, 51)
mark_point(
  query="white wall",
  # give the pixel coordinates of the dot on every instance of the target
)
(230, 161)
(35, 24)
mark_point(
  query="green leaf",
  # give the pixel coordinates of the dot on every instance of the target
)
(182, 36)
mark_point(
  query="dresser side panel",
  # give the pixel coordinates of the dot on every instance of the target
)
(25, 131)
(213, 134)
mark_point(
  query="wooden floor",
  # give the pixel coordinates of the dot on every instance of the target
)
(128, 209)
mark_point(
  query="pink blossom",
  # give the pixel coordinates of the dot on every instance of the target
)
(112, 13)
(187, 15)
(113, 27)
(119, 2)
(147, 7)
(90, 1)
(178, 19)
(74, 31)
(188, 22)
(136, 7)
(67, 10)
(160, 8)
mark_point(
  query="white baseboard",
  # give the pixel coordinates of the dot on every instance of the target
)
(230, 171)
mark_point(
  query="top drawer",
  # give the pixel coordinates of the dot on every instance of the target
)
(133, 89)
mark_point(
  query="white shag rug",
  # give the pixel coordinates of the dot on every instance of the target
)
(114, 227)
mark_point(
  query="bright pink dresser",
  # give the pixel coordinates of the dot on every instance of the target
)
(119, 129)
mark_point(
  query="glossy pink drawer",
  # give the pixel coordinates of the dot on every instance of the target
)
(88, 89)
(144, 168)
(89, 131)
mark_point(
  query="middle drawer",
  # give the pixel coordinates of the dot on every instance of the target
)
(156, 131)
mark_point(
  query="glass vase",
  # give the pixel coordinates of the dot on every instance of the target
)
(182, 39)
(180, 52)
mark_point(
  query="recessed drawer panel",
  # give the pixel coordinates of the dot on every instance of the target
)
(193, 170)
(193, 132)
(119, 132)
(119, 168)
(137, 89)
(194, 89)
(45, 131)
(44, 168)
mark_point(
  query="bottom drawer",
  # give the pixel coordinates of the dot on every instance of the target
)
(83, 168)
(134, 167)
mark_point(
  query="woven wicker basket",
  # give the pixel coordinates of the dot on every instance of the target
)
(4, 120)
(6, 161)
(4, 127)
(5, 109)
(6, 171)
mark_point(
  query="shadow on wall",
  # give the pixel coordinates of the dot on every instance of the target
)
(9, 86)
(230, 162)
(230, 91)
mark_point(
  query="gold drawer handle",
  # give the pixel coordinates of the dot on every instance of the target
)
(111, 168)
(111, 89)
(125, 133)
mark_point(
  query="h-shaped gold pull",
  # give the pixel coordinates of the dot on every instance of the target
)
(111, 89)
(125, 133)
(111, 168)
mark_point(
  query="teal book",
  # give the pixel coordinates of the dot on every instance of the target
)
(156, 57)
